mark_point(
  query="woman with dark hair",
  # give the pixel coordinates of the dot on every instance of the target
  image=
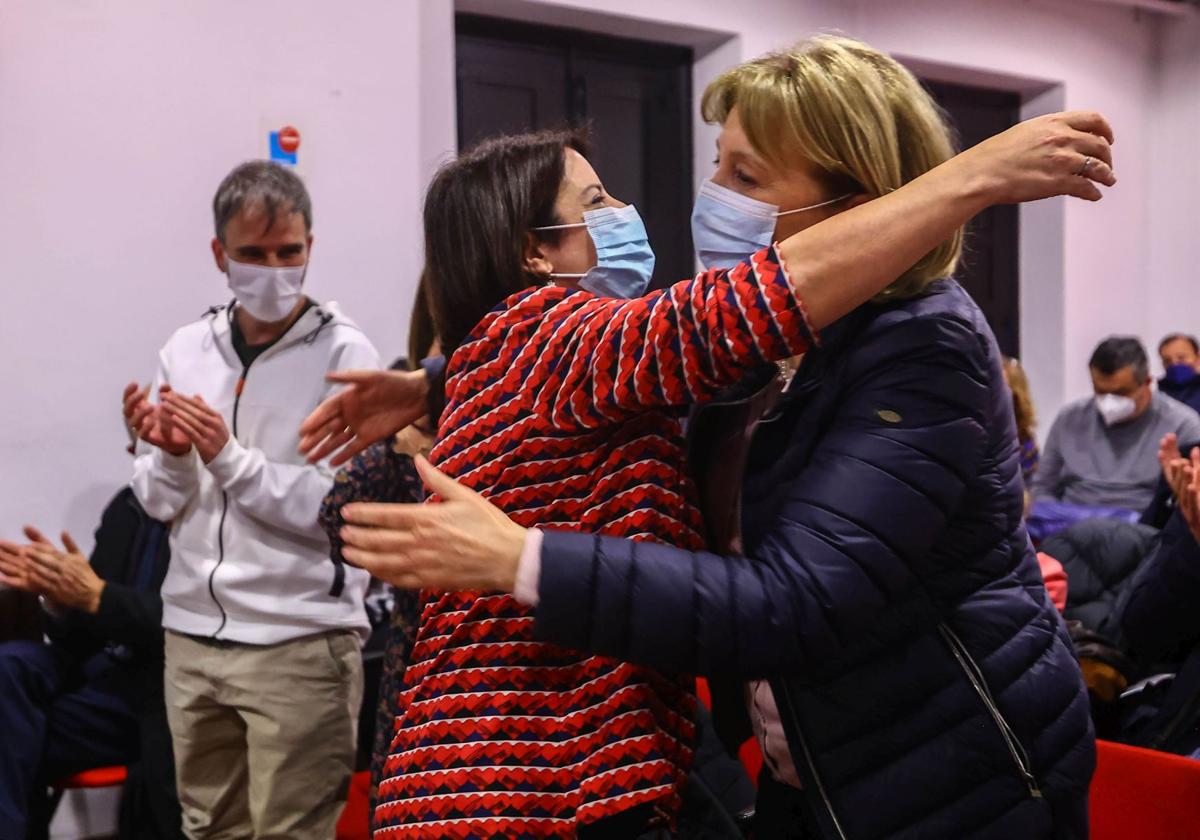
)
(881, 507)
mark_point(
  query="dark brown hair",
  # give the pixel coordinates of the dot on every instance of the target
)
(1173, 337)
(273, 186)
(477, 212)
(1018, 383)
(421, 331)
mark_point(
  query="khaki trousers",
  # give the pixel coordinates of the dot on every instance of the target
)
(264, 735)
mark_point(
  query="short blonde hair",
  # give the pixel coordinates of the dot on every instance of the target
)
(854, 112)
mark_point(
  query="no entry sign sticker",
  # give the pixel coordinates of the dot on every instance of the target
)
(285, 145)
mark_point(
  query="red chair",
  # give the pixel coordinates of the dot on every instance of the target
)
(355, 822)
(98, 777)
(1144, 794)
(749, 753)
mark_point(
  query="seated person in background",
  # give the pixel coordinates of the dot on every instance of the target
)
(1026, 418)
(1158, 613)
(93, 696)
(1102, 451)
(1180, 356)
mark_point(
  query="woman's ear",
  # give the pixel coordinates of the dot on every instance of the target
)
(535, 260)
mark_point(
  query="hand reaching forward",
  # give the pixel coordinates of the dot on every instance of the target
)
(462, 543)
(375, 405)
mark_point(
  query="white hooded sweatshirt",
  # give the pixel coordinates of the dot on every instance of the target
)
(249, 562)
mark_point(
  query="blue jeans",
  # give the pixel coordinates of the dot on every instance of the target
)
(56, 720)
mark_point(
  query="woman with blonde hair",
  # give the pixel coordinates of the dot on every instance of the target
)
(879, 610)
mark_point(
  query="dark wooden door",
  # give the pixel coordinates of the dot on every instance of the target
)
(634, 97)
(989, 268)
(506, 88)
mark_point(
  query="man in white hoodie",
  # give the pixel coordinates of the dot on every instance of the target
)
(263, 670)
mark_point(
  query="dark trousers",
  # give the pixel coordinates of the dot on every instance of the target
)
(150, 806)
(781, 812)
(57, 719)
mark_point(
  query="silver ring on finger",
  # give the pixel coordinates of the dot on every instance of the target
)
(1087, 162)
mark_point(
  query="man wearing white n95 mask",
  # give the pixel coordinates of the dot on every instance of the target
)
(263, 670)
(1103, 451)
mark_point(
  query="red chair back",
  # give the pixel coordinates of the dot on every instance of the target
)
(750, 754)
(1144, 794)
(355, 822)
(99, 777)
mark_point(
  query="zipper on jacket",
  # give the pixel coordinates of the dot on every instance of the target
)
(975, 675)
(212, 590)
(808, 759)
(220, 556)
(237, 399)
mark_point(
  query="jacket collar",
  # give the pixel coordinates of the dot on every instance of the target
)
(308, 327)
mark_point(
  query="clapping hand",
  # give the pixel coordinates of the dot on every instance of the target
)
(1183, 477)
(150, 423)
(64, 577)
(202, 425)
(15, 568)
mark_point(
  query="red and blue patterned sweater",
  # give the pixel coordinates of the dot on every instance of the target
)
(565, 410)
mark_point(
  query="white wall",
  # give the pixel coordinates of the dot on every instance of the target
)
(1171, 281)
(117, 120)
(1102, 57)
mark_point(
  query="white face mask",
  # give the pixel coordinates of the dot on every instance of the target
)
(268, 294)
(1115, 409)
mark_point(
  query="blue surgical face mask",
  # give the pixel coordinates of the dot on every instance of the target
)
(727, 227)
(1180, 374)
(625, 260)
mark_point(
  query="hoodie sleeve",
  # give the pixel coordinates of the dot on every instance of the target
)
(286, 496)
(162, 482)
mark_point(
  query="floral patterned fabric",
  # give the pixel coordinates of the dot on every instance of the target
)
(383, 473)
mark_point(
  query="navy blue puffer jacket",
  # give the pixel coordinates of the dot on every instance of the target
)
(888, 590)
